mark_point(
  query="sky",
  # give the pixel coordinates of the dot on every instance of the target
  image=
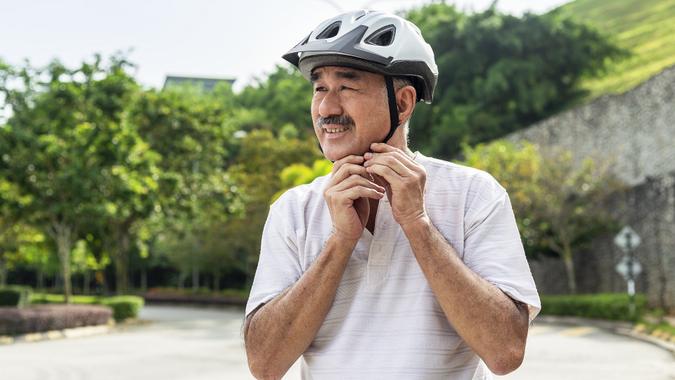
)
(241, 40)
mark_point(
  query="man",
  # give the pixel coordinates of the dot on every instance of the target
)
(396, 265)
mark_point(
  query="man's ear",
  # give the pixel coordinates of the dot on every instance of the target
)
(406, 97)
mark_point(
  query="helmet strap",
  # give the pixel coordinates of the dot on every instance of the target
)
(393, 110)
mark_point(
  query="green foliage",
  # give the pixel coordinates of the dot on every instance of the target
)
(611, 306)
(298, 174)
(67, 148)
(645, 27)
(499, 73)
(284, 96)
(560, 204)
(17, 296)
(124, 307)
(256, 170)
(47, 298)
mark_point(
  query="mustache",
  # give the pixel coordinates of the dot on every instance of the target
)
(340, 120)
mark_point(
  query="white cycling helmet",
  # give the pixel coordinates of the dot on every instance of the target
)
(373, 41)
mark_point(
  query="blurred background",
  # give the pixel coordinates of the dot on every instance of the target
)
(141, 144)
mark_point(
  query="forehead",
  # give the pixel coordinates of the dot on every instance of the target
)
(341, 72)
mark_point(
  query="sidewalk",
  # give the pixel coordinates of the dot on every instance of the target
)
(617, 327)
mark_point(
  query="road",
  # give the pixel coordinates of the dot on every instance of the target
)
(205, 344)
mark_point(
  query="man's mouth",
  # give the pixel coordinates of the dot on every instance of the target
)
(335, 130)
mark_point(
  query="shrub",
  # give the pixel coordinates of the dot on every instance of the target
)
(45, 298)
(17, 296)
(124, 306)
(611, 306)
(39, 318)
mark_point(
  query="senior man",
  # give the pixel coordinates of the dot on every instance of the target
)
(396, 265)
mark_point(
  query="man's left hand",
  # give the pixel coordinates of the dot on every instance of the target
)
(403, 178)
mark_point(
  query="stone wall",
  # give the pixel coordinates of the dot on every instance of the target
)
(636, 132)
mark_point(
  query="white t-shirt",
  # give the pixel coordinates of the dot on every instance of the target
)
(385, 322)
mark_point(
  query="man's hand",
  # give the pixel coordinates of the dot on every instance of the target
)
(404, 180)
(346, 195)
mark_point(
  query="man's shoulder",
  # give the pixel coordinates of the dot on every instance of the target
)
(450, 173)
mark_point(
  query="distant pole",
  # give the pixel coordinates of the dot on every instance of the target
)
(631, 277)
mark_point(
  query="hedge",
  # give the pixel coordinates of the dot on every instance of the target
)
(200, 296)
(14, 295)
(123, 307)
(611, 306)
(39, 318)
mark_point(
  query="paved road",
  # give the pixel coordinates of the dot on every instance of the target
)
(205, 344)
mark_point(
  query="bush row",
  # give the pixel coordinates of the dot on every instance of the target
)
(40, 318)
(200, 296)
(611, 306)
(17, 296)
(123, 307)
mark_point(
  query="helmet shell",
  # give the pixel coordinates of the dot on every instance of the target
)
(373, 41)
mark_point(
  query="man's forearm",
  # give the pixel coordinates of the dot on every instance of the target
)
(278, 333)
(486, 318)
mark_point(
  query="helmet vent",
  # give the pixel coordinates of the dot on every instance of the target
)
(330, 31)
(382, 37)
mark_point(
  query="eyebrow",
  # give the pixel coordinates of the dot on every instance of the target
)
(350, 75)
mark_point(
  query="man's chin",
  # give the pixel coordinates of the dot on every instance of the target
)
(338, 154)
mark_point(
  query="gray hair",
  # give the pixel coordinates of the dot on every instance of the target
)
(399, 83)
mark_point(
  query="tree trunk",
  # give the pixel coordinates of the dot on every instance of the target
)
(569, 268)
(121, 257)
(63, 235)
(195, 278)
(86, 280)
(144, 279)
(40, 280)
(216, 280)
(3, 273)
(181, 280)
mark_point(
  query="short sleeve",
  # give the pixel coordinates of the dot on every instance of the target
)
(492, 245)
(278, 265)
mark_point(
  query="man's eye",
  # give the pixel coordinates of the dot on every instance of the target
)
(319, 89)
(345, 88)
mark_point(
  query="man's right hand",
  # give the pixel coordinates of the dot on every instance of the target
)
(346, 195)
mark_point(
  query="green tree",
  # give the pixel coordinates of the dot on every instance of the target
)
(285, 98)
(499, 73)
(63, 142)
(560, 204)
(193, 132)
(298, 174)
(262, 156)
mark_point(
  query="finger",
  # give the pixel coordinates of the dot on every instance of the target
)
(356, 180)
(345, 171)
(356, 192)
(385, 172)
(351, 159)
(378, 148)
(391, 160)
(382, 147)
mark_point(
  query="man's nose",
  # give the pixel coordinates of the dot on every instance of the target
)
(330, 105)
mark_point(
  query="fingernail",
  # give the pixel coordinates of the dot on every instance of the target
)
(368, 155)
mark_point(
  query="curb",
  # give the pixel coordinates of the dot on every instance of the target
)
(620, 328)
(76, 332)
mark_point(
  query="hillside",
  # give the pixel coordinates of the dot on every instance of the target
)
(645, 27)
